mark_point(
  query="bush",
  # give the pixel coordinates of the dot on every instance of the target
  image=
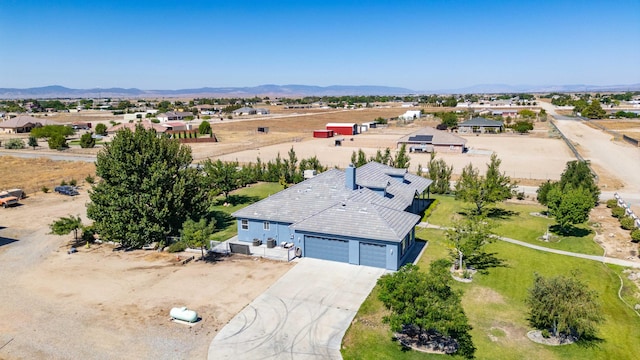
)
(627, 223)
(520, 195)
(14, 144)
(58, 142)
(101, 129)
(617, 212)
(63, 183)
(635, 236)
(73, 182)
(87, 141)
(90, 179)
(430, 209)
(611, 203)
(177, 247)
(44, 189)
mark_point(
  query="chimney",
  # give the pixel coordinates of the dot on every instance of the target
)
(350, 177)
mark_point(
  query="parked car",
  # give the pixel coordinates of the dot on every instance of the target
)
(17, 193)
(7, 200)
(66, 190)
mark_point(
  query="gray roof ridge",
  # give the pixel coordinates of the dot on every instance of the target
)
(395, 231)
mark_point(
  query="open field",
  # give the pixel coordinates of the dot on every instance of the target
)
(101, 304)
(32, 174)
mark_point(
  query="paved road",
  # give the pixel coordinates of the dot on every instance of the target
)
(304, 315)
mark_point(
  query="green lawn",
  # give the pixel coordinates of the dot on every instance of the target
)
(238, 199)
(495, 306)
(517, 222)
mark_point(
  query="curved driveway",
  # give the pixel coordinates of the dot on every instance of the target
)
(304, 315)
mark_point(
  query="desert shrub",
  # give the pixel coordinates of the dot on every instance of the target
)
(90, 179)
(87, 234)
(14, 144)
(63, 183)
(44, 189)
(57, 142)
(611, 203)
(520, 195)
(627, 223)
(617, 212)
(177, 247)
(73, 182)
(635, 235)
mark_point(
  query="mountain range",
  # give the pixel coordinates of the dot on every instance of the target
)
(57, 91)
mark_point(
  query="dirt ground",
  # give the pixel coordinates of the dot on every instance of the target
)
(105, 304)
(615, 241)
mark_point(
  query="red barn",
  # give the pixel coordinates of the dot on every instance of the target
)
(322, 133)
(343, 128)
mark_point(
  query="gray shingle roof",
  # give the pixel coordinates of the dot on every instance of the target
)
(442, 138)
(316, 204)
(480, 121)
(24, 120)
(347, 219)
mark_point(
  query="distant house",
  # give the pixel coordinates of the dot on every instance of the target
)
(245, 110)
(429, 139)
(146, 124)
(262, 111)
(175, 125)
(173, 115)
(363, 216)
(481, 125)
(23, 124)
(410, 115)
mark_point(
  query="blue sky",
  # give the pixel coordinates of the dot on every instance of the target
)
(420, 45)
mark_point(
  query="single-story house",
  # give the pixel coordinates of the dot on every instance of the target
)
(363, 216)
(173, 115)
(343, 128)
(176, 125)
(23, 124)
(429, 139)
(244, 111)
(262, 111)
(410, 115)
(481, 125)
(147, 124)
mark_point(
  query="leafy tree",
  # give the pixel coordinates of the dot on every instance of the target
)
(65, 225)
(469, 237)
(101, 129)
(222, 176)
(440, 173)
(578, 174)
(565, 306)
(14, 144)
(48, 131)
(87, 141)
(527, 114)
(426, 303)
(57, 142)
(198, 233)
(33, 141)
(570, 206)
(523, 127)
(543, 190)
(401, 160)
(291, 165)
(449, 119)
(594, 110)
(147, 191)
(204, 128)
(493, 187)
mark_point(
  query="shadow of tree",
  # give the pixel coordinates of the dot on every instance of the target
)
(223, 219)
(236, 200)
(569, 231)
(502, 214)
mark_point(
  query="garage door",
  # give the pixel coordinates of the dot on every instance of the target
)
(373, 255)
(325, 248)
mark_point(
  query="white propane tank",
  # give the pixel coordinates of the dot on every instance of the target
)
(182, 313)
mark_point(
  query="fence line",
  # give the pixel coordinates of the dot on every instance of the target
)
(630, 140)
(573, 149)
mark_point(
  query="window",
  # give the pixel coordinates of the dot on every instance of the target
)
(265, 226)
(404, 246)
(244, 224)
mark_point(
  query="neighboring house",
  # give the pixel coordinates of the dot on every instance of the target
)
(175, 125)
(244, 111)
(362, 216)
(173, 115)
(429, 139)
(262, 111)
(23, 124)
(343, 128)
(147, 124)
(506, 113)
(481, 125)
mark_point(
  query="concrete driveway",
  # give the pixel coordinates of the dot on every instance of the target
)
(304, 315)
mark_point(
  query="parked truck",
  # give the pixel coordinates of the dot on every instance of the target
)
(7, 200)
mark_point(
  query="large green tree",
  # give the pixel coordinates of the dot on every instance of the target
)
(569, 206)
(222, 176)
(578, 174)
(564, 306)
(594, 110)
(424, 305)
(440, 174)
(147, 188)
(493, 187)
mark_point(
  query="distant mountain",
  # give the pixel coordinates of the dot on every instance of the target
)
(57, 91)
